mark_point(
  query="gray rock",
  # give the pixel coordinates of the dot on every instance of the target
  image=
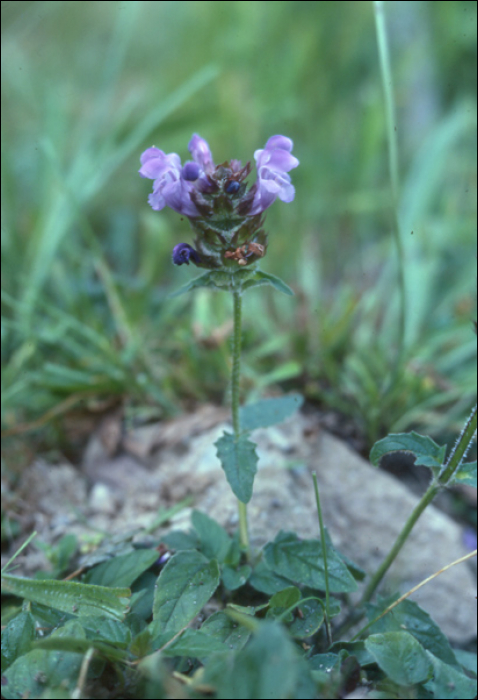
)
(364, 510)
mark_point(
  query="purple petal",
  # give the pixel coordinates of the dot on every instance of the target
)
(273, 163)
(278, 141)
(169, 189)
(155, 162)
(190, 171)
(201, 153)
(277, 158)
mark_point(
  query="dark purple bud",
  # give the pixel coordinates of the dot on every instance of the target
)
(183, 253)
(190, 171)
(232, 186)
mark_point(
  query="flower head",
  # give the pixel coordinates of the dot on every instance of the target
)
(222, 209)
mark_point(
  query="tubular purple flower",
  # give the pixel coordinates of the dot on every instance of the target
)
(273, 163)
(201, 153)
(183, 253)
(169, 188)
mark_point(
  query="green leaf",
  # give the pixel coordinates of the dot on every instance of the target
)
(239, 461)
(301, 561)
(204, 280)
(70, 596)
(268, 667)
(465, 474)
(122, 570)
(17, 637)
(426, 450)
(77, 645)
(400, 656)
(214, 542)
(222, 280)
(269, 411)
(265, 278)
(467, 659)
(184, 586)
(230, 633)
(263, 579)
(178, 540)
(195, 644)
(285, 598)
(107, 630)
(448, 682)
(308, 618)
(410, 617)
(143, 595)
(235, 578)
(323, 662)
(281, 602)
(356, 649)
(40, 669)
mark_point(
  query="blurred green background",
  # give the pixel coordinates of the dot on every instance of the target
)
(86, 263)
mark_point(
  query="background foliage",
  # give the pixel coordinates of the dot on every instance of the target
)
(86, 264)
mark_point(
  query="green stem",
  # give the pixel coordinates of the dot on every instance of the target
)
(236, 423)
(387, 84)
(324, 555)
(454, 461)
(462, 446)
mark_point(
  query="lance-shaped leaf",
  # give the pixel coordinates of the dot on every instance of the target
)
(204, 280)
(260, 278)
(219, 280)
(70, 596)
(269, 411)
(239, 461)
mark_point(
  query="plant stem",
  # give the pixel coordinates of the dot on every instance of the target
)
(454, 461)
(426, 499)
(387, 84)
(462, 446)
(324, 555)
(236, 423)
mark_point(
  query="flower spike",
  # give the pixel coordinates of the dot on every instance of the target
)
(223, 211)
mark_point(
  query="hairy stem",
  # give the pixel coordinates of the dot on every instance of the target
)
(454, 461)
(236, 423)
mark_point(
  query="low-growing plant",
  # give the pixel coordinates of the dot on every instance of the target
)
(273, 632)
(200, 613)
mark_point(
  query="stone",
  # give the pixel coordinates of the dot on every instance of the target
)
(364, 510)
(364, 507)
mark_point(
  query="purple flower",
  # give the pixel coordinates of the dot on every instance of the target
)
(173, 184)
(183, 253)
(201, 153)
(224, 212)
(169, 188)
(273, 163)
(178, 187)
